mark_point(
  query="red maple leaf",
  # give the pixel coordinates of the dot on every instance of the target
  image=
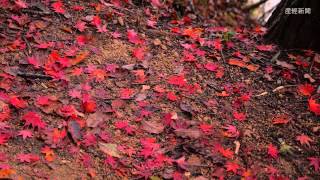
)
(81, 40)
(188, 57)
(231, 131)
(194, 33)
(315, 162)
(45, 45)
(211, 66)
(4, 138)
(304, 139)
(58, 7)
(273, 151)
(232, 166)
(55, 136)
(217, 44)
(74, 93)
(280, 119)
(99, 75)
(18, 103)
(81, 26)
(21, 3)
(89, 106)
(151, 23)
(239, 116)
(226, 152)
(139, 53)
(126, 93)
(133, 37)
(34, 61)
(172, 96)
(314, 106)
(206, 128)
(67, 111)
(140, 76)
(49, 154)
(43, 100)
(265, 47)
(28, 158)
(96, 20)
(178, 80)
(156, 3)
(25, 134)
(33, 119)
(306, 89)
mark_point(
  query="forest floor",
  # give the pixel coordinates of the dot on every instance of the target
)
(136, 91)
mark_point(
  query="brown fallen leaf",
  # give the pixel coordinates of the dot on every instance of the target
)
(80, 57)
(240, 63)
(153, 127)
(191, 133)
(285, 64)
(194, 160)
(95, 119)
(110, 149)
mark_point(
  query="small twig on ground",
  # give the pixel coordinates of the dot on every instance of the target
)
(28, 45)
(274, 90)
(31, 75)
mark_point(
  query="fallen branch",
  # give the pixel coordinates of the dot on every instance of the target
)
(34, 76)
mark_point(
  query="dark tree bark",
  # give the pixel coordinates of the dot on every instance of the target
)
(295, 30)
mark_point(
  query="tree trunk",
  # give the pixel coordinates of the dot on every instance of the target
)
(301, 30)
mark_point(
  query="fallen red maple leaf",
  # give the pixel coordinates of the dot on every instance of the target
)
(304, 139)
(280, 119)
(28, 158)
(273, 151)
(49, 154)
(314, 106)
(18, 103)
(194, 33)
(139, 53)
(306, 89)
(126, 93)
(265, 47)
(206, 128)
(172, 96)
(211, 66)
(21, 4)
(315, 162)
(89, 106)
(4, 138)
(231, 131)
(81, 26)
(58, 7)
(133, 37)
(232, 166)
(239, 116)
(34, 61)
(25, 134)
(226, 152)
(96, 20)
(33, 119)
(178, 80)
(156, 3)
(217, 44)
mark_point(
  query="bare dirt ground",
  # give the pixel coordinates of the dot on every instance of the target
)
(104, 90)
